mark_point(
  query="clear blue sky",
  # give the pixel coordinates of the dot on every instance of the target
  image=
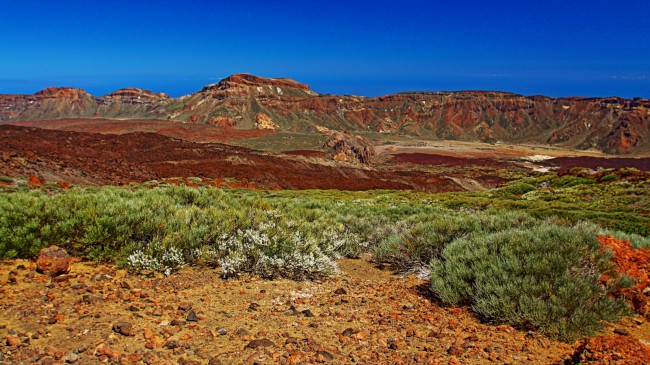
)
(551, 47)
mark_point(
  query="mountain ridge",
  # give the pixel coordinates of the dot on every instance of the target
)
(245, 101)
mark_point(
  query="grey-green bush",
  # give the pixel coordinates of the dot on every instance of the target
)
(543, 278)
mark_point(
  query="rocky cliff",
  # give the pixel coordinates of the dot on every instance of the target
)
(243, 101)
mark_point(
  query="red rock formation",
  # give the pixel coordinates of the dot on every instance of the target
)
(252, 80)
(611, 349)
(614, 125)
(222, 122)
(60, 92)
(134, 96)
(53, 261)
(634, 263)
(263, 121)
(349, 148)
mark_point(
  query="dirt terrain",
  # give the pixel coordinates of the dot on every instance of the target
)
(365, 315)
(99, 159)
(185, 131)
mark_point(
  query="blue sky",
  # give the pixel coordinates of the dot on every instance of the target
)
(552, 47)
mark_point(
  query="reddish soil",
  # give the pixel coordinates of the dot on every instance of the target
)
(634, 263)
(120, 159)
(186, 131)
(366, 315)
(566, 163)
(563, 163)
(612, 349)
(308, 153)
(435, 159)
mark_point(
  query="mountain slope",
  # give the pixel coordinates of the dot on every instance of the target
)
(243, 101)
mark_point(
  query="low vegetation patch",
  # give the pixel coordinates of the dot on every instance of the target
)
(545, 277)
(524, 254)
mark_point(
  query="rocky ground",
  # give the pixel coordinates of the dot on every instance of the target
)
(100, 159)
(365, 315)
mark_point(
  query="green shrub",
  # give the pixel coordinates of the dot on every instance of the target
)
(609, 177)
(410, 245)
(544, 278)
(568, 181)
(518, 188)
(6, 179)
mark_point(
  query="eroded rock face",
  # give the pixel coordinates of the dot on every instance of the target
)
(349, 148)
(263, 121)
(135, 96)
(614, 125)
(222, 122)
(53, 261)
(635, 263)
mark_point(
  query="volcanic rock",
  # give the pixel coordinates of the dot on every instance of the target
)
(612, 124)
(222, 122)
(124, 328)
(191, 316)
(53, 261)
(262, 342)
(349, 148)
(263, 121)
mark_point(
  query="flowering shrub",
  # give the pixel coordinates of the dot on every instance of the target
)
(277, 248)
(156, 257)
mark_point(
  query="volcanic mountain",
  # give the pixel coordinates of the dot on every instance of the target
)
(246, 102)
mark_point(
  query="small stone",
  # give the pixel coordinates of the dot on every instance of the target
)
(13, 341)
(172, 344)
(222, 331)
(340, 291)
(107, 351)
(89, 299)
(215, 361)
(242, 332)
(53, 261)
(349, 332)
(324, 355)
(177, 322)
(454, 349)
(262, 342)
(47, 360)
(133, 308)
(292, 311)
(191, 316)
(81, 349)
(253, 306)
(307, 313)
(184, 361)
(621, 331)
(124, 328)
(291, 340)
(71, 358)
(184, 306)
